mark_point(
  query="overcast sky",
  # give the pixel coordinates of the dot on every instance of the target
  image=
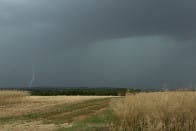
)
(94, 43)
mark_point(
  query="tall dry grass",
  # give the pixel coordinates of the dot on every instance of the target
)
(12, 97)
(160, 111)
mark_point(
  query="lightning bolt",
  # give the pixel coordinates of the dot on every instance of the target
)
(32, 77)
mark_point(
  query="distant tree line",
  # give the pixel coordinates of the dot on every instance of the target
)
(83, 92)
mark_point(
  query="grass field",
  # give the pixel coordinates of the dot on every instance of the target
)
(12, 97)
(45, 113)
(158, 111)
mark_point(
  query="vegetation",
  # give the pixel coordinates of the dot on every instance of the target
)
(99, 122)
(50, 113)
(158, 111)
(12, 97)
(64, 113)
(81, 91)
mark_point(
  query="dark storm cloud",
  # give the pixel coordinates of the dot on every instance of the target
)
(69, 39)
(74, 21)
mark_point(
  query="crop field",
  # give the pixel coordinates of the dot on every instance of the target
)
(152, 111)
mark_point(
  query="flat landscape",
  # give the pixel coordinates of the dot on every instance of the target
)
(145, 111)
(97, 65)
(43, 113)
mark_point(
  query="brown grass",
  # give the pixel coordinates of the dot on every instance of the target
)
(48, 113)
(160, 111)
(15, 106)
(12, 97)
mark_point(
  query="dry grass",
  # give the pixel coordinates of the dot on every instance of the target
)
(45, 113)
(65, 99)
(8, 97)
(35, 103)
(160, 111)
(31, 126)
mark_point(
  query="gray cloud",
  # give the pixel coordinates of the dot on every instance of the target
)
(69, 39)
(91, 20)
